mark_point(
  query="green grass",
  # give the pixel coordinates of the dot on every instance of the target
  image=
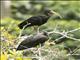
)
(10, 32)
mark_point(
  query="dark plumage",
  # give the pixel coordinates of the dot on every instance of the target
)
(36, 20)
(33, 41)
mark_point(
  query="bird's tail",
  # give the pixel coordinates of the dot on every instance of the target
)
(21, 47)
(21, 25)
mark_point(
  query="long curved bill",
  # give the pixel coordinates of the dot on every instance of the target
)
(56, 14)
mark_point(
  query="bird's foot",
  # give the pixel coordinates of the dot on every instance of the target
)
(38, 30)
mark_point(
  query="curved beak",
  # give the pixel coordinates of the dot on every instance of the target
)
(53, 12)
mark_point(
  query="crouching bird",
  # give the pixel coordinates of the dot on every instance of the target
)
(37, 20)
(33, 41)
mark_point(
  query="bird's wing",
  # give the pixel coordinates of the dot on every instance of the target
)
(25, 43)
(32, 41)
(27, 40)
(35, 20)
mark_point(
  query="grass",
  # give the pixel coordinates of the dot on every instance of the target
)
(9, 40)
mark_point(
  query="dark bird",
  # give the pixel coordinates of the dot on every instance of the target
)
(33, 41)
(37, 20)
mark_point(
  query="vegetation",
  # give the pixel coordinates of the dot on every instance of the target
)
(66, 30)
(68, 9)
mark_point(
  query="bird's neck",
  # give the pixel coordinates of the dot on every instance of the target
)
(47, 17)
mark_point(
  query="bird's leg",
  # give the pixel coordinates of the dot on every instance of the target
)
(21, 31)
(38, 29)
(35, 28)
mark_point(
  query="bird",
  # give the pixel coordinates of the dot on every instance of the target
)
(37, 20)
(33, 41)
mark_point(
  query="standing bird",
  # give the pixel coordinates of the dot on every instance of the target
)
(37, 20)
(33, 41)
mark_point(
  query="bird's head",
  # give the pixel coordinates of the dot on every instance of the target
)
(49, 12)
(45, 33)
